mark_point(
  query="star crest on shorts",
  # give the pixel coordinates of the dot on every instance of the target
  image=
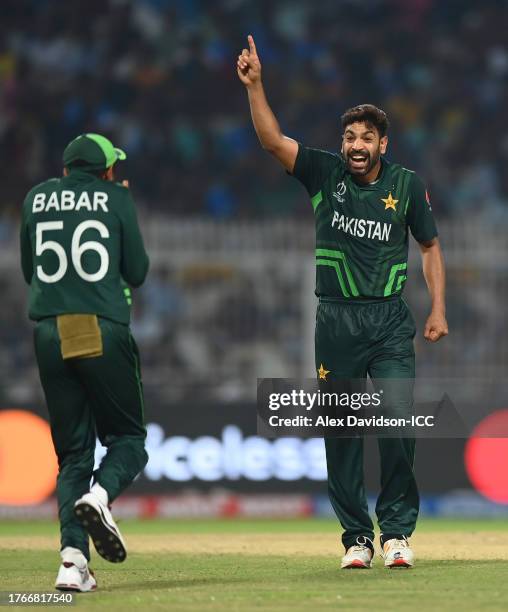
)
(389, 202)
(322, 372)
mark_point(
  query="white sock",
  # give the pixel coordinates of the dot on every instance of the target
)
(100, 492)
(73, 555)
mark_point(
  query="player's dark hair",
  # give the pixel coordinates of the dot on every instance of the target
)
(369, 114)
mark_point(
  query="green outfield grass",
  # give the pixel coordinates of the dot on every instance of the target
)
(261, 579)
(196, 526)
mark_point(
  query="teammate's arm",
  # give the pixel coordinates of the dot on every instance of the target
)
(27, 263)
(135, 262)
(266, 125)
(434, 273)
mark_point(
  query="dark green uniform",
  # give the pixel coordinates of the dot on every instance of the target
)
(81, 248)
(363, 327)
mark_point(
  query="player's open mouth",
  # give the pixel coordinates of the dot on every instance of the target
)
(358, 161)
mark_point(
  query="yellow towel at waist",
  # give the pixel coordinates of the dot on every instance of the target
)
(80, 335)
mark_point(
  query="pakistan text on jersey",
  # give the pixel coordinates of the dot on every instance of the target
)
(361, 228)
(66, 201)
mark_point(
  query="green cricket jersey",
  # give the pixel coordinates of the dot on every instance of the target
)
(362, 230)
(81, 247)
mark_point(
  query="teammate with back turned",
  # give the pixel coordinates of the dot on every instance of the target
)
(81, 248)
(363, 207)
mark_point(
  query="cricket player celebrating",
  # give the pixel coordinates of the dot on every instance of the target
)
(363, 206)
(81, 248)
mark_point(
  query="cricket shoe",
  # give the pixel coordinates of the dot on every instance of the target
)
(74, 573)
(96, 518)
(396, 553)
(358, 556)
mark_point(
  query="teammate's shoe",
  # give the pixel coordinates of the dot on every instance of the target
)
(96, 518)
(358, 556)
(74, 574)
(397, 553)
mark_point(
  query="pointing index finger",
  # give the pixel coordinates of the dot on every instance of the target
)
(252, 44)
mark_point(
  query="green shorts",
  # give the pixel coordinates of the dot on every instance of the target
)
(359, 337)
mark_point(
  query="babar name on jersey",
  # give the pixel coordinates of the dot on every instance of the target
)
(67, 200)
(362, 228)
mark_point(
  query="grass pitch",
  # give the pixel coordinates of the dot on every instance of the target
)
(269, 565)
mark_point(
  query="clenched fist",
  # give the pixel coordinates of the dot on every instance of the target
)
(248, 66)
(436, 327)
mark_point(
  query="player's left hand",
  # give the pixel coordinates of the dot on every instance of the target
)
(436, 327)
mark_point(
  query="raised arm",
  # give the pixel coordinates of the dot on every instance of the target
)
(266, 125)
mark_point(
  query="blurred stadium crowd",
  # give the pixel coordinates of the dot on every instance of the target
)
(159, 78)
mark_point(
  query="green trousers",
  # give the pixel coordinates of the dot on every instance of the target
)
(356, 338)
(89, 397)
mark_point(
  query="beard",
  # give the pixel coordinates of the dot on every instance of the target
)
(364, 166)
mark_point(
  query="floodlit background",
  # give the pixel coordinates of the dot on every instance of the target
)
(230, 294)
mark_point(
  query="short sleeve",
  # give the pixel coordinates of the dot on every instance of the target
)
(419, 215)
(313, 166)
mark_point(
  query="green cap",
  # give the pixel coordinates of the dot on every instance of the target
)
(91, 151)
